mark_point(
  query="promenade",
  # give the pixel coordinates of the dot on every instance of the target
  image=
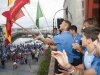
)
(22, 69)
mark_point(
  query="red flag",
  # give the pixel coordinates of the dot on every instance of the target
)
(12, 10)
(18, 15)
(8, 31)
(9, 26)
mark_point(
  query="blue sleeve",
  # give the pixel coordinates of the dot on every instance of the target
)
(96, 67)
(57, 39)
(78, 39)
(82, 59)
(80, 42)
(83, 55)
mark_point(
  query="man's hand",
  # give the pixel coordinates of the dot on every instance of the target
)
(54, 47)
(61, 58)
(78, 48)
(63, 72)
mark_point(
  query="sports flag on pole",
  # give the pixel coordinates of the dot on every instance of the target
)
(18, 15)
(10, 11)
(39, 14)
(8, 27)
(8, 31)
(9, 23)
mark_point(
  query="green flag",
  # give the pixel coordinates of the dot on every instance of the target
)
(39, 14)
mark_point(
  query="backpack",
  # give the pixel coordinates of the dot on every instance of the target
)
(36, 55)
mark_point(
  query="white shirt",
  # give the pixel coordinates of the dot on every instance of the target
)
(14, 63)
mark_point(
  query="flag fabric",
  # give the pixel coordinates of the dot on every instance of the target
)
(8, 27)
(39, 14)
(10, 11)
(9, 23)
(18, 15)
(8, 31)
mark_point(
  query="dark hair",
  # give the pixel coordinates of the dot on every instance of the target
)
(55, 28)
(73, 27)
(92, 22)
(91, 32)
(68, 22)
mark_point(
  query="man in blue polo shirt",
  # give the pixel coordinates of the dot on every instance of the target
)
(76, 40)
(63, 41)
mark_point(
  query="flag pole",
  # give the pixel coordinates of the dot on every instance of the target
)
(25, 29)
(33, 22)
(44, 16)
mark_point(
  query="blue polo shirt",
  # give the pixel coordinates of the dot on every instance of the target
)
(94, 62)
(88, 59)
(96, 65)
(64, 42)
(55, 34)
(77, 39)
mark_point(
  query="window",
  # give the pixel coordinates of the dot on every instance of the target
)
(96, 14)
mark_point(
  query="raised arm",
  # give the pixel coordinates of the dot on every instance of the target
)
(46, 41)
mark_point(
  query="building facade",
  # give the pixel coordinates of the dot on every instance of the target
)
(79, 10)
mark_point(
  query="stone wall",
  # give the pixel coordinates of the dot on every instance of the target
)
(76, 11)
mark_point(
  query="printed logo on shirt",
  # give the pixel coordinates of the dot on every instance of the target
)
(76, 41)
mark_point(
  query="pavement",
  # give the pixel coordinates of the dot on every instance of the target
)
(4, 73)
(22, 69)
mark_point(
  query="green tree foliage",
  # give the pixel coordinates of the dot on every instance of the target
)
(44, 65)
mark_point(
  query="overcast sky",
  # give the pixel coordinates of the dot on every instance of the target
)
(49, 8)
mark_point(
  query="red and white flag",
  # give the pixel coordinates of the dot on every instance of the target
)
(10, 11)
(9, 23)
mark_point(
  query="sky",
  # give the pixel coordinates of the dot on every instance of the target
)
(49, 7)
